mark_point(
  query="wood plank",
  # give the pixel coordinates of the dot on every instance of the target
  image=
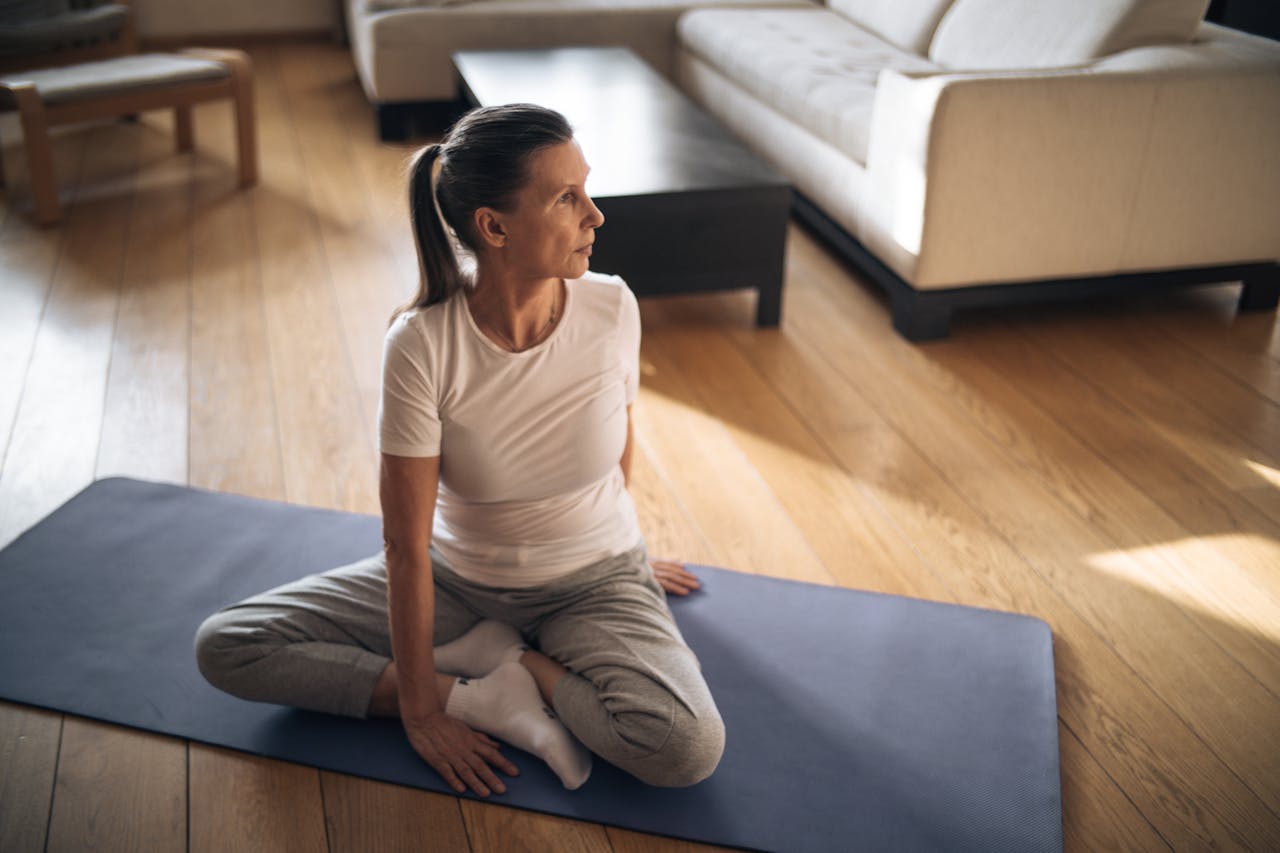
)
(1243, 357)
(380, 167)
(1096, 815)
(329, 453)
(243, 802)
(625, 841)
(1218, 447)
(1210, 550)
(855, 540)
(54, 441)
(144, 428)
(28, 265)
(365, 280)
(118, 789)
(231, 387)
(1232, 404)
(29, 740)
(723, 493)
(365, 815)
(28, 257)
(669, 532)
(493, 828)
(899, 386)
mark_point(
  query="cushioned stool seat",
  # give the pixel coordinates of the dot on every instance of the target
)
(122, 86)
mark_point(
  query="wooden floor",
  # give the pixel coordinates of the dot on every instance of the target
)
(1113, 468)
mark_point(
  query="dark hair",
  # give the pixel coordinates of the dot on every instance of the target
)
(484, 162)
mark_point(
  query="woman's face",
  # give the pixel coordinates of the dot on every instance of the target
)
(551, 227)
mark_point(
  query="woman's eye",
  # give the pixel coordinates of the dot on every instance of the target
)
(567, 197)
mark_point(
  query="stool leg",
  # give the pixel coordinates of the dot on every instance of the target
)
(35, 132)
(241, 68)
(246, 130)
(182, 127)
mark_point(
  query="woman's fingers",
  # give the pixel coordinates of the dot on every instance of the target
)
(497, 759)
(481, 769)
(674, 577)
(460, 755)
(471, 776)
(446, 773)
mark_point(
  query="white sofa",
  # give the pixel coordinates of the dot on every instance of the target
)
(956, 148)
(962, 152)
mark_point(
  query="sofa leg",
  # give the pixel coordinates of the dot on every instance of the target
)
(1261, 291)
(921, 319)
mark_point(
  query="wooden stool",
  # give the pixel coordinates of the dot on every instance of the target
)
(123, 86)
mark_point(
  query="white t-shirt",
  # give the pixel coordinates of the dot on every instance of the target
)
(529, 442)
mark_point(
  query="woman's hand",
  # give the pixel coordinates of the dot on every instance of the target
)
(674, 577)
(460, 755)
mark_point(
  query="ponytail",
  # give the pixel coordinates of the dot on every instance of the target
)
(439, 275)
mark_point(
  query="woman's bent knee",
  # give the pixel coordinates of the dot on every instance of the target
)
(221, 645)
(690, 754)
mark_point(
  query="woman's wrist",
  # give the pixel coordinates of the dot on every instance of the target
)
(420, 697)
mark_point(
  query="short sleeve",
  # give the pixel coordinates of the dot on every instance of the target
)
(629, 342)
(408, 416)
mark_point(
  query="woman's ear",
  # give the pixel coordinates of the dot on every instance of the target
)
(489, 227)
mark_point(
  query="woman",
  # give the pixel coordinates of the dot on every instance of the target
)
(505, 438)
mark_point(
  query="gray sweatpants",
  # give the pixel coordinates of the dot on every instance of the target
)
(634, 695)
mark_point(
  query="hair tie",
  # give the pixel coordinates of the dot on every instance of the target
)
(437, 165)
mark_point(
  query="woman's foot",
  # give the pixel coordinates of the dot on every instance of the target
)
(481, 650)
(506, 704)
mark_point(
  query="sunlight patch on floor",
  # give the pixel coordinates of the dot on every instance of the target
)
(1167, 569)
(1266, 472)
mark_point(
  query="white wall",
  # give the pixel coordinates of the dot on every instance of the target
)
(177, 18)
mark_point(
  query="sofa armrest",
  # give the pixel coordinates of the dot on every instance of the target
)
(1013, 176)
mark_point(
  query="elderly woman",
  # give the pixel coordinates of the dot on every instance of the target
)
(514, 578)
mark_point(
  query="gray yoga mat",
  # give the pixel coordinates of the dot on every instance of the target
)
(855, 721)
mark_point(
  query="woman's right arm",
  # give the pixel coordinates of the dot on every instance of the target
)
(462, 757)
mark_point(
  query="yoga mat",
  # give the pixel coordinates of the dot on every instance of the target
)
(855, 721)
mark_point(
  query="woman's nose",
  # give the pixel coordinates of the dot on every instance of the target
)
(594, 217)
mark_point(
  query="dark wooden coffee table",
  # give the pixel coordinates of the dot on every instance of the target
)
(687, 207)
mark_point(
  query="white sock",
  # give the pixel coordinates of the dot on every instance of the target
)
(481, 650)
(506, 704)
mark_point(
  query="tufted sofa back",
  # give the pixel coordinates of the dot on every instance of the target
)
(909, 24)
(991, 34)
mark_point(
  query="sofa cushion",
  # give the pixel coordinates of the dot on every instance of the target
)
(812, 65)
(985, 34)
(909, 24)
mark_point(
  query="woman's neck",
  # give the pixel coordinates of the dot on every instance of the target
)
(516, 315)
